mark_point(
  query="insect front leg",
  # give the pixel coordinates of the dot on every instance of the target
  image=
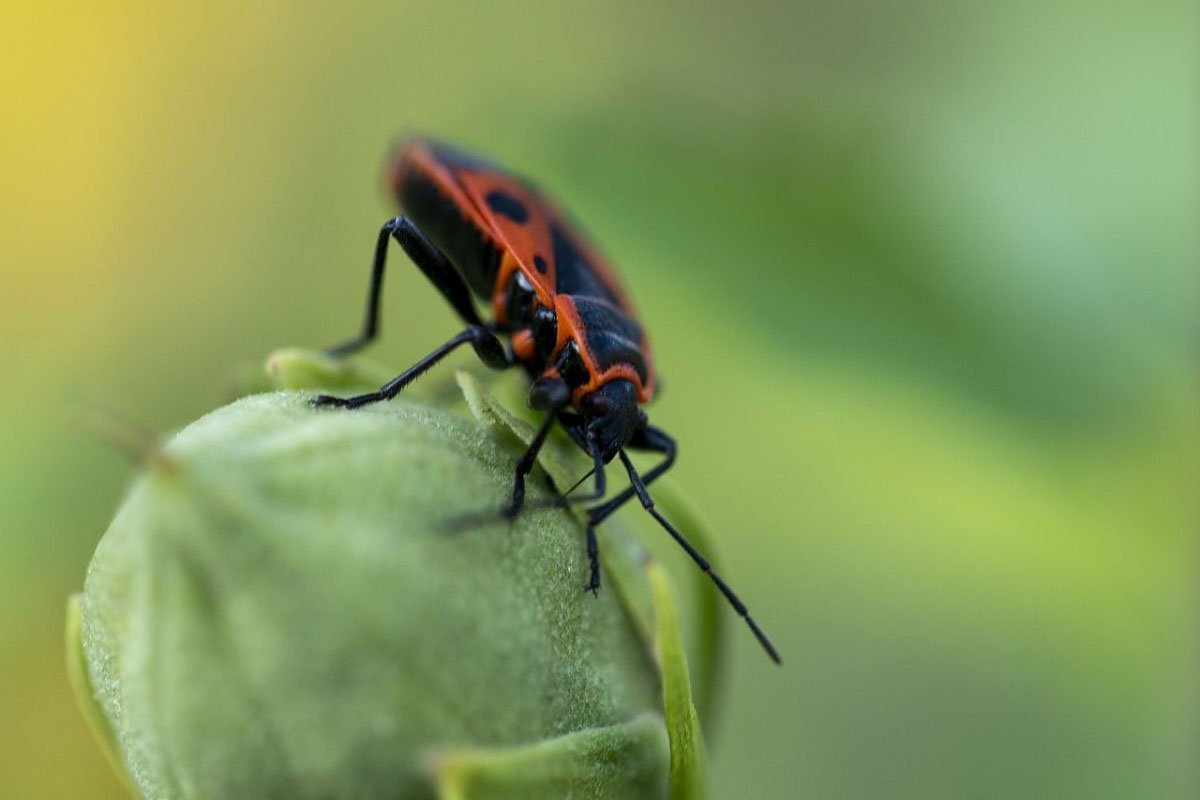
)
(651, 439)
(552, 396)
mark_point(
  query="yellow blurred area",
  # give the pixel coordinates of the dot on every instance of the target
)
(921, 280)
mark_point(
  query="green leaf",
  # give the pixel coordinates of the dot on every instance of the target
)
(613, 763)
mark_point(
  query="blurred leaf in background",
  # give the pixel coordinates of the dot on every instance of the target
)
(921, 279)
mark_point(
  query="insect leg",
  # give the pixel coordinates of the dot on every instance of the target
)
(525, 465)
(593, 554)
(573, 425)
(639, 488)
(576, 428)
(486, 346)
(430, 260)
(653, 440)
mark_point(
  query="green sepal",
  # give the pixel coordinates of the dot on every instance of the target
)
(301, 368)
(558, 456)
(85, 694)
(688, 772)
(611, 763)
(708, 609)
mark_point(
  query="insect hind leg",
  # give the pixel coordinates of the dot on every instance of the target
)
(432, 263)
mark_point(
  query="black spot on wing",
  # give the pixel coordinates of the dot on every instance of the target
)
(506, 205)
(540, 263)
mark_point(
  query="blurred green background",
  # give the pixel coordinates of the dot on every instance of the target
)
(922, 284)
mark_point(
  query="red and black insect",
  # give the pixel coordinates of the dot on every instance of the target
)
(478, 231)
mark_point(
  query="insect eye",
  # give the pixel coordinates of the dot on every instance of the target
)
(595, 405)
(518, 306)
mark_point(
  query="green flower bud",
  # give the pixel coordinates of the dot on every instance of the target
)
(324, 604)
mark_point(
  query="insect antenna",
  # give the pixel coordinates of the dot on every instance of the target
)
(648, 503)
(565, 499)
(579, 482)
